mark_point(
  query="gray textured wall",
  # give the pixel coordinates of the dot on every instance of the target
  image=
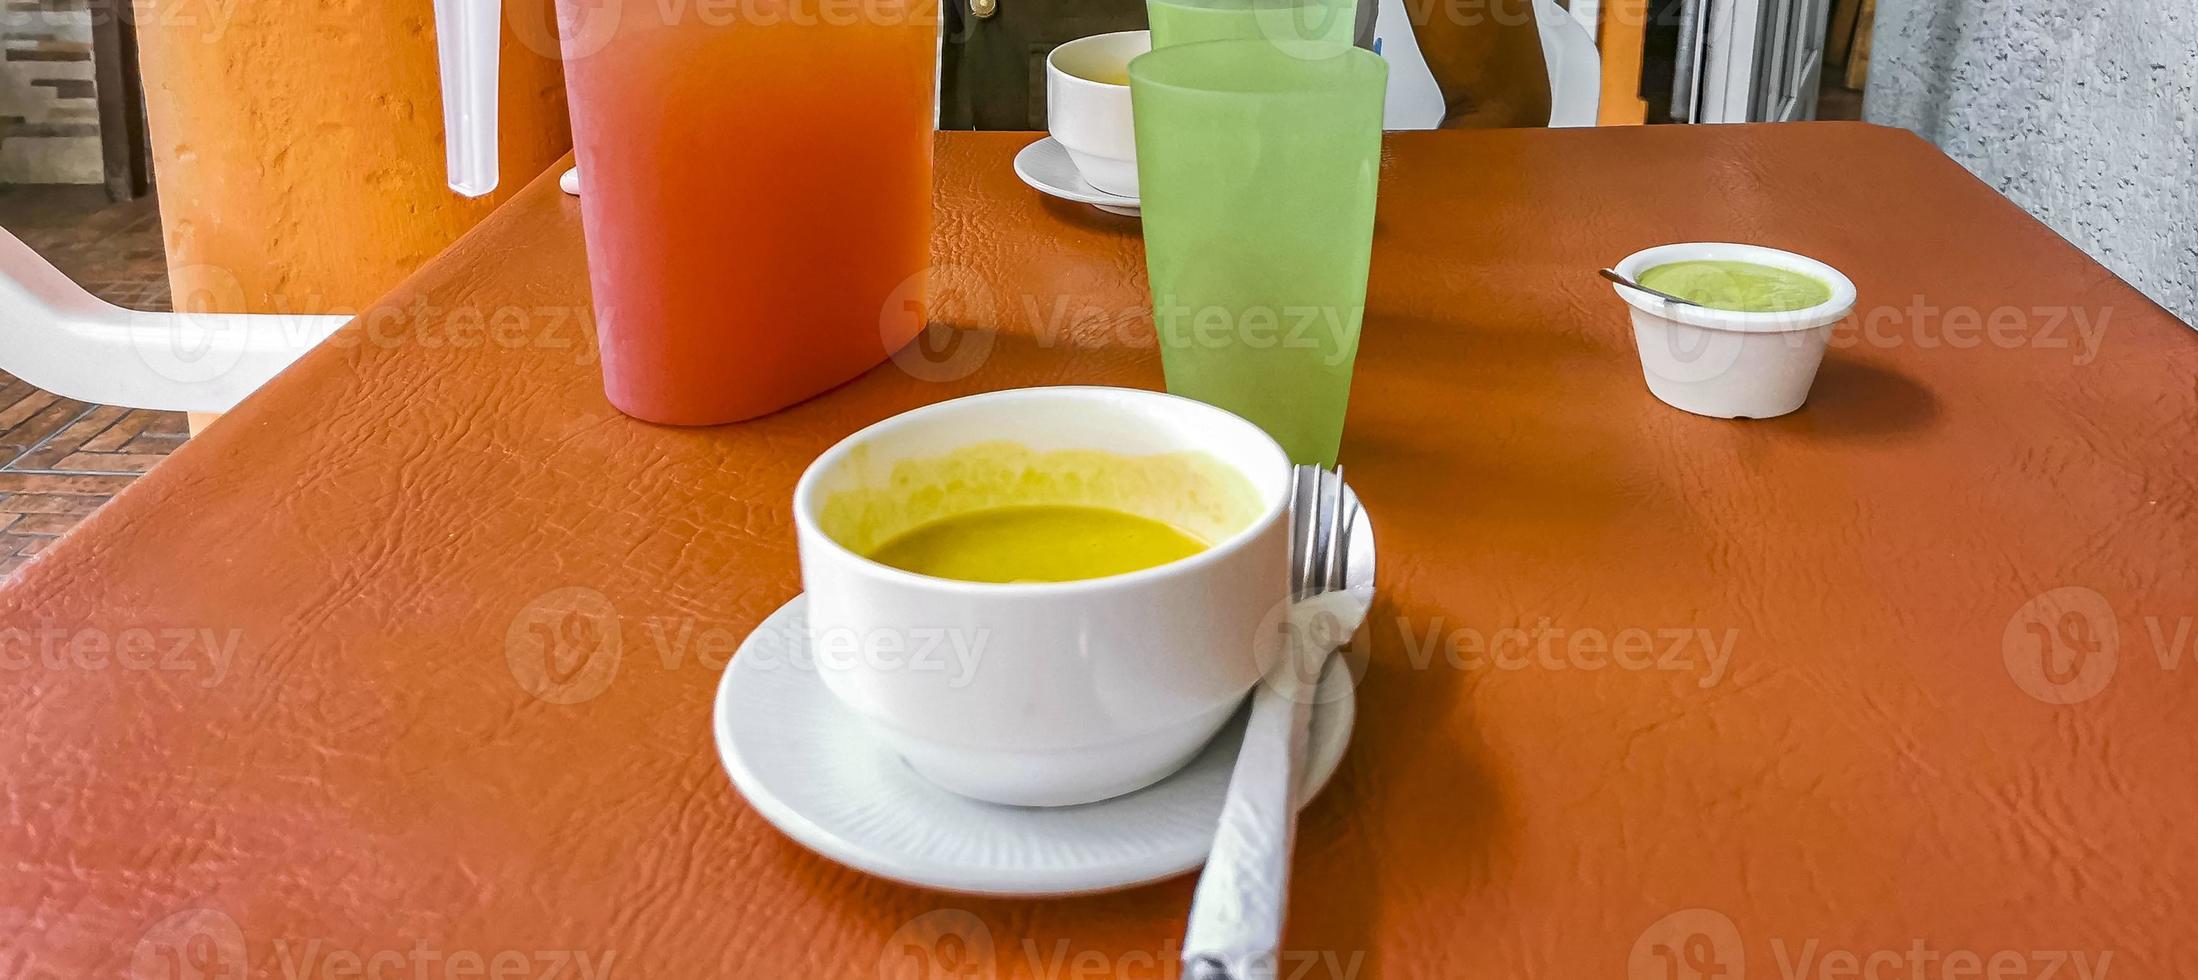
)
(2085, 112)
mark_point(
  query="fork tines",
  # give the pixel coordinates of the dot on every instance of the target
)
(1320, 525)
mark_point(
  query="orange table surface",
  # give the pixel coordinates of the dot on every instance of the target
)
(1904, 682)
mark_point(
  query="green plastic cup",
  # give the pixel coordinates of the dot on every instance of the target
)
(1258, 171)
(1313, 24)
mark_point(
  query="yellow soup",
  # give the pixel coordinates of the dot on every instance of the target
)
(1037, 543)
(1105, 74)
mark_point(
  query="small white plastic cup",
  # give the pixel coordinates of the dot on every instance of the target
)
(1726, 364)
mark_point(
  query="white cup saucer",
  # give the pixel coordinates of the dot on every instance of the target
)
(1046, 167)
(811, 768)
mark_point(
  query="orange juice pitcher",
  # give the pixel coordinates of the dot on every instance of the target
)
(757, 193)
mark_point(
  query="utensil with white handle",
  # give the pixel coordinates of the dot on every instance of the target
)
(1238, 910)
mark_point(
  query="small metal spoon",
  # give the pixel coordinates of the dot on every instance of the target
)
(1613, 276)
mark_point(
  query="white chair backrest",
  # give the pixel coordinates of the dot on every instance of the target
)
(60, 338)
(1415, 102)
(1575, 68)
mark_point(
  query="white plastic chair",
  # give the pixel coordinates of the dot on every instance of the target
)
(1575, 68)
(1415, 102)
(60, 338)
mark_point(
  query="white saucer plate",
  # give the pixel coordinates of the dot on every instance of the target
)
(1046, 167)
(815, 771)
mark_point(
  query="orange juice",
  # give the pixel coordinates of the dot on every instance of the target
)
(757, 195)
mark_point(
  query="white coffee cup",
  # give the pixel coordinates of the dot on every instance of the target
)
(1052, 693)
(1090, 116)
(1727, 364)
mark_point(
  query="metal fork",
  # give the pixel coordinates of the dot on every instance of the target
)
(1320, 527)
(1238, 903)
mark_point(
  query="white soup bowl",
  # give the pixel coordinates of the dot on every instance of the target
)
(1048, 693)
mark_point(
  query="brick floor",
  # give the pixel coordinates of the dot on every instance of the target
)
(64, 458)
(59, 458)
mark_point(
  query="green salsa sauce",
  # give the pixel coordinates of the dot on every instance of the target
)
(1741, 287)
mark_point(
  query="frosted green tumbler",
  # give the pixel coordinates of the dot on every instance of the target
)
(1258, 170)
(1289, 23)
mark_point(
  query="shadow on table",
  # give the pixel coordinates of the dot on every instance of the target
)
(1087, 216)
(1352, 841)
(1853, 399)
(1525, 423)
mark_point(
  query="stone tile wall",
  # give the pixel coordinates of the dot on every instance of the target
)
(49, 111)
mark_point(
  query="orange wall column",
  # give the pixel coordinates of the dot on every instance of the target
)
(298, 144)
(1624, 32)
